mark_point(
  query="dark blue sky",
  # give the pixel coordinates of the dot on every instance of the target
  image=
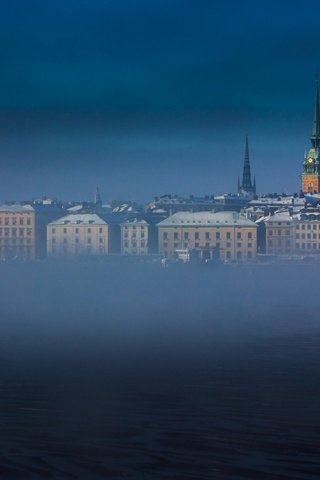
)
(145, 98)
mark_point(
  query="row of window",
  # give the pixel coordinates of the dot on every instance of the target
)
(133, 235)
(13, 241)
(308, 227)
(207, 236)
(76, 230)
(279, 232)
(134, 227)
(15, 221)
(77, 241)
(14, 231)
(134, 244)
(308, 235)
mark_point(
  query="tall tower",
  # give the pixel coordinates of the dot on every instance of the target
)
(310, 178)
(246, 185)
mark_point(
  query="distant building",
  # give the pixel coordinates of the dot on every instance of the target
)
(78, 234)
(225, 235)
(307, 231)
(280, 233)
(134, 237)
(246, 187)
(310, 178)
(17, 232)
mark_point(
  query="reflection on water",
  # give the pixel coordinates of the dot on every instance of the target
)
(180, 387)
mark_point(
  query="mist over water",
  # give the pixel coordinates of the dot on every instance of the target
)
(114, 369)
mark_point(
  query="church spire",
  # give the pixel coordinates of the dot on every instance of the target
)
(315, 137)
(246, 184)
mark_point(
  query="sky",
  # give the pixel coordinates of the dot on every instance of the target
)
(146, 98)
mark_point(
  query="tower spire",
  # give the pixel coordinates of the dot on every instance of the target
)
(315, 136)
(246, 176)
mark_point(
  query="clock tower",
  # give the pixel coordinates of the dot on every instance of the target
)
(311, 165)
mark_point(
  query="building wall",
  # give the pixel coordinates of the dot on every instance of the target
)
(134, 238)
(280, 237)
(73, 239)
(310, 183)
(17, 235)
(307, 236)
(226, 242)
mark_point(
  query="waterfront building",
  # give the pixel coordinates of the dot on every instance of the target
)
(78, 234)
(134, 237)
(280, 233)
(307, 231)
(246, 187)
(17, 232)
(228, 236)
(310, 178)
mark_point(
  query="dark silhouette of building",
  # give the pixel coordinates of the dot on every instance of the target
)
(246, 186)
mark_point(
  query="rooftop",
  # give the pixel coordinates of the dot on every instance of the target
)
(206, 218)
(78, 219)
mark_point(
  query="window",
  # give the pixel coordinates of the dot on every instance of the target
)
(270, 233)
(239, 244)
(89, 230)
(196, 244)
(53, 240)
(249, 245)
(197, 236)
(89, 240)
(142, 244)
(142, 234)
(287, 232)
(165, 245)
(64, 240)
(297, 235)
(228, 244)
(165, 235)
(29, 231)
(14, 221)
(175, 235)
(228, 236)
(228, 255)
(186, 235)
(218, 236)
(100, 230)
(77, 240)
(239, 255)
(28, 221)
(64, 230)
(53, 230)
(249, 235)
(309, 227)
(77, 231)
(207, 235)
(100, 240)
(20, 221)
(238, 235)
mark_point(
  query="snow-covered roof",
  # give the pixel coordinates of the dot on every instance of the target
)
(75, 208)
(134, 222)
(281, 216)
(78, 219)
(206, 219)
(16, 209)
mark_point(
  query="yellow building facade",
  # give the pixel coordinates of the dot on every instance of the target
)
(82, 234)
(280, 234)
(17, 232)
(225, 235)
(134, 237)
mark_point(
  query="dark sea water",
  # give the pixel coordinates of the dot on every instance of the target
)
(114, 370)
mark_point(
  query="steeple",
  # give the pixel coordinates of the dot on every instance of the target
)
(315, 136)
(246, 184)
(97, 197)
